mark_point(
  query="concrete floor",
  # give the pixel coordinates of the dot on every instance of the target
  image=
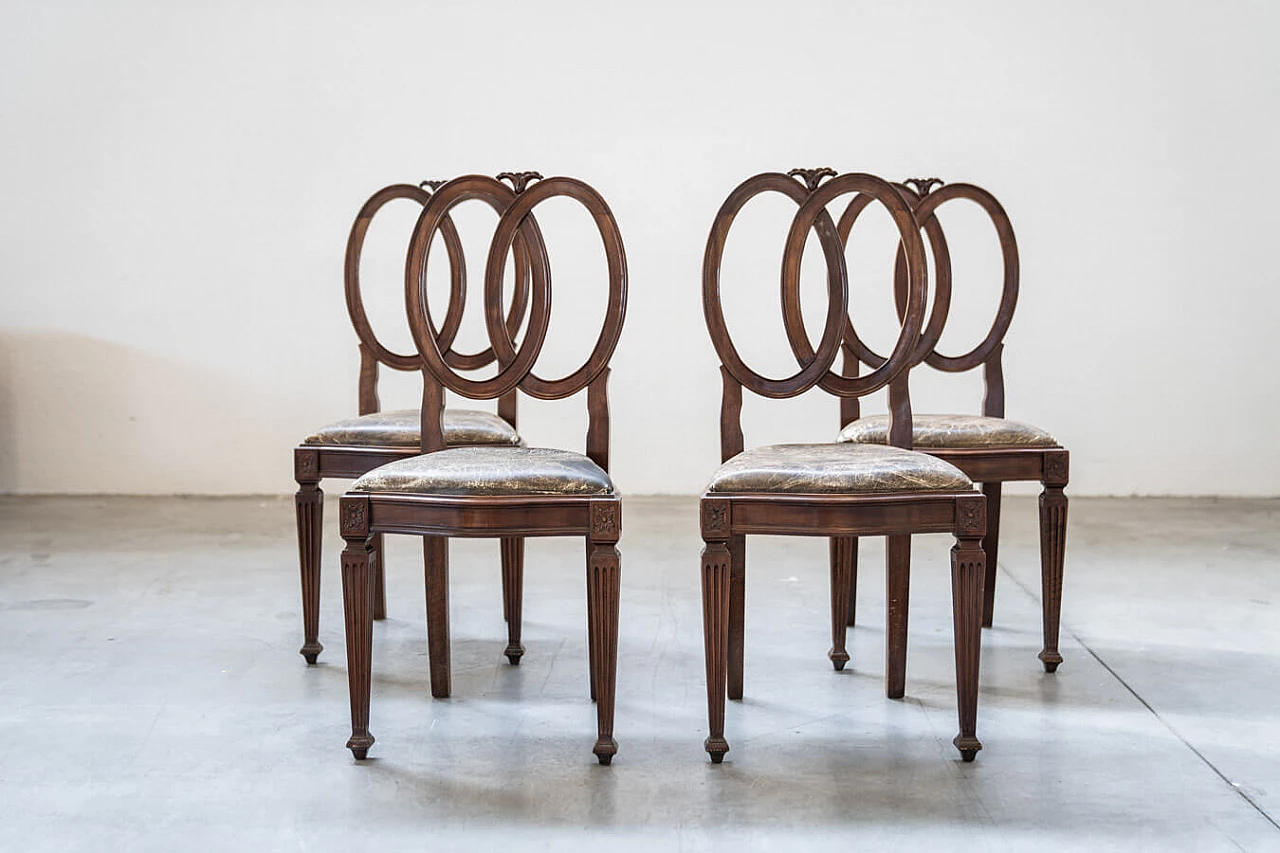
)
(152, 697)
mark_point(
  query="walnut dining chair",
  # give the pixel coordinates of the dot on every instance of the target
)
(830, 490)
(352, 447)
(488, 491)
(989, 448)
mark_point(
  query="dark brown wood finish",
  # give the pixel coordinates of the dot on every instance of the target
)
(728, 518)
(437, 517)
(313, 463)
(990, 466)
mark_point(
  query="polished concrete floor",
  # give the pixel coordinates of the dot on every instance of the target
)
(152, 697)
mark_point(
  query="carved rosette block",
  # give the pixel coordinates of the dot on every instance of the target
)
(306, 465)
(971, 515)
(715, 518)
(353, 517)
(1057, 468)
(606, 525)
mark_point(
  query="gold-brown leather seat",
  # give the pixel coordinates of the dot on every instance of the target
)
(401, 428)
(835, 469)
(950, 431)
(490, 471)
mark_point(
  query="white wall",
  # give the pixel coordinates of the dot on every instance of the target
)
(180, 178)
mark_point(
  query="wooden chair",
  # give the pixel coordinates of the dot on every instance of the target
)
(824, 489)
(349, 448)
(989, 448)
(501, 492)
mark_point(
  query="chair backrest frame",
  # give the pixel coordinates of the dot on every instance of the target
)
(373, 353)
(816, 364)
(517, 231)
(988, 353)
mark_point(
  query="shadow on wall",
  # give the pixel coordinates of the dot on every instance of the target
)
(81, 415)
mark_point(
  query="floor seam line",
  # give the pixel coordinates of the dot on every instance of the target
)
(1238, 789)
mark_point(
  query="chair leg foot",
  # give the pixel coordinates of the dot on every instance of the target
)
(605, 749)
(968, 746)
(716, 747)
(1050, 661)
(838, 659)
(310, 651)
(359, 746)
(514, 652)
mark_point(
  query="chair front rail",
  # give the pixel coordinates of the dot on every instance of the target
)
(487, 517)
(1041, 464)
(728, 514)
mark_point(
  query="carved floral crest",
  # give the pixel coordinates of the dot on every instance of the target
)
(519, 180)
(812, 177)
(923, 186)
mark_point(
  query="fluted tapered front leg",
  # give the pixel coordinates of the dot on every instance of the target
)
(716, 568)
(513, 595)
(309, 504)
(357, 603)
(968, 573)
(603, 578)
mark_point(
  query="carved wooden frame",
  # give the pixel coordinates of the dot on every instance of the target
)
(437, 518)
(727, 519)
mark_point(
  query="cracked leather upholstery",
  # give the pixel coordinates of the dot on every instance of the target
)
(835, 469)
(401, 429)
(951, 431)
(462, 471)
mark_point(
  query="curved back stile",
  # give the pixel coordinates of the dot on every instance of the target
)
(517, 231)
(372, 351)
(815, 364)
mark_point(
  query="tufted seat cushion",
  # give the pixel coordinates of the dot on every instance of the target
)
(951, 431)
(490, 471)
(401, 429)
(835, 469)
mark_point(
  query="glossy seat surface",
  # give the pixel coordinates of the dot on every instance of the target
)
(490, 471)
(951, 431)
(835, 469)
(401, 429)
